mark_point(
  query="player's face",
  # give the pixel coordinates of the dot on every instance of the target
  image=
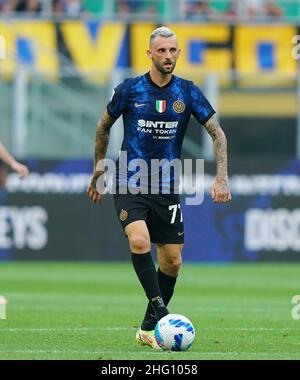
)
(164, 53)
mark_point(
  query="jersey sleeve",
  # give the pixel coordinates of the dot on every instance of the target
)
(201, 108)
(116, 105)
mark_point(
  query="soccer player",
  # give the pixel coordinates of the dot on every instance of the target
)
(156, 109)
(5, 156)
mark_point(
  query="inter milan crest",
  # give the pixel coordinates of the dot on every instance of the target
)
(161, 106)
(178, 106)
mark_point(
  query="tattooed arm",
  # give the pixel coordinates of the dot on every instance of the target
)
(101, 143)
(220, 191)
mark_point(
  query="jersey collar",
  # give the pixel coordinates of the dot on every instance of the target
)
(148, 77)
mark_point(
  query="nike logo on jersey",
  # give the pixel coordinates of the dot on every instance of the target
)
(180, 233)
(139, 104)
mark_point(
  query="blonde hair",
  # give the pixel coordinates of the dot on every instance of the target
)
(162, 31)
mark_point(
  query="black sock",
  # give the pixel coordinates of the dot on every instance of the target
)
(166, 285)
(145, 270)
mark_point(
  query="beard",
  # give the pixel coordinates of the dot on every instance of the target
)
(163, 69)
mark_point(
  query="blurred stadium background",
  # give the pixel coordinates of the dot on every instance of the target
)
(63, 58)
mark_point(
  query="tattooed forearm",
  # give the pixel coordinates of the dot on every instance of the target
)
(102, 137)
(220, 146)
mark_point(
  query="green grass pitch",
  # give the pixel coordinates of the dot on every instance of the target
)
(92, 310)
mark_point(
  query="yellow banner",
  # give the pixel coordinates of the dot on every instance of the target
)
(29, 42)
(34, 43)
(264, 50)
(93, 54)
(98, 47)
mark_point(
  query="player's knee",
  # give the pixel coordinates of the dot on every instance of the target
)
(172, 265)
(139, 244)
(176, 264)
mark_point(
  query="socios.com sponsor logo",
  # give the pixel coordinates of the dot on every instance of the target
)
(272, 230)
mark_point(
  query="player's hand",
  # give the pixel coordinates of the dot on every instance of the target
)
(220, 190)
(92, 191)
(21, 169)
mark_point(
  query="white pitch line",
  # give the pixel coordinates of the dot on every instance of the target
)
(54, 352)
(251, 329)
(200, 353)
(42, 329)
(119, 328)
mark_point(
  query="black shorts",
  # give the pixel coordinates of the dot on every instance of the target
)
(162, 214)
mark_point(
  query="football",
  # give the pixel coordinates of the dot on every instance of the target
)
(174, 332)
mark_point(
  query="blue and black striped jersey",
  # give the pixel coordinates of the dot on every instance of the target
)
(155, 118)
